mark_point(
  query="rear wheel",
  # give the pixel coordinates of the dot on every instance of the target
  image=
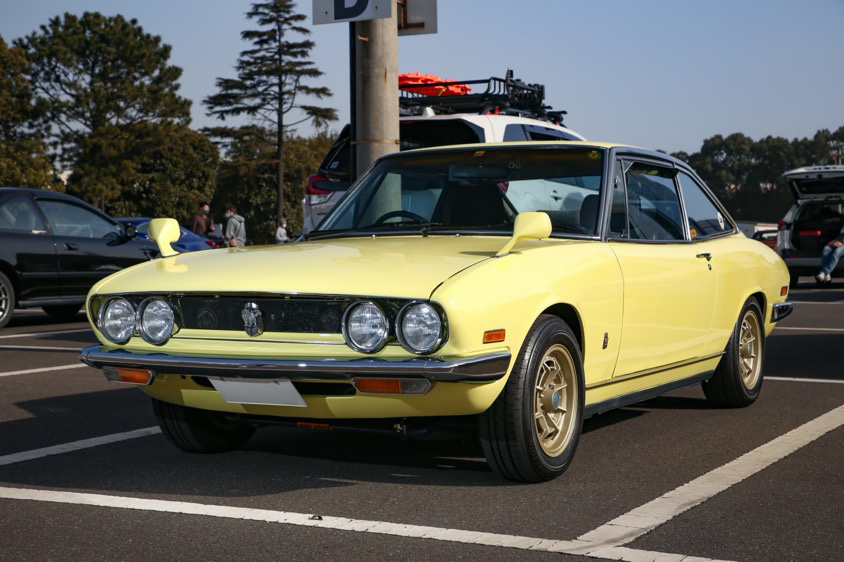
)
(531, 432)
(738, 378)
(7, 300)
(793, 279)
(63, 312)
(200, 431)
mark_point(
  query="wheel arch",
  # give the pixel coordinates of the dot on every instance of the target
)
(10, 272)
(570, 315)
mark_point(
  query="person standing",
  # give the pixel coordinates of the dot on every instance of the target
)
(235, 227)
(202, 223)
(833, 252)
(281, 236)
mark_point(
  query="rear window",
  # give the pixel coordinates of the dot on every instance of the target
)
(820, 186)
(425, 134)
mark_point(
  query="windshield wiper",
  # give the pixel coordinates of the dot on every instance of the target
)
(423, 229)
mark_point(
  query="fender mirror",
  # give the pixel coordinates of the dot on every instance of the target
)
(528, 226)
(164, 232)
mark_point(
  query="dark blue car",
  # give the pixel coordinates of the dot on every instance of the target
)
(188, 241)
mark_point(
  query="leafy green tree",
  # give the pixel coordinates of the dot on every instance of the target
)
(247, 178)
(159, 170)
(98, 78)
(271, 76)
(23, 154)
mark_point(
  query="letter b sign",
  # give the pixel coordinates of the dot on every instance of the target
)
(336, 11)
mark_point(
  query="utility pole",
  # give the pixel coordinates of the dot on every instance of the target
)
(377, 91)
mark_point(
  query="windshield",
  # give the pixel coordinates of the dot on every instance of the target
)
(478, 190)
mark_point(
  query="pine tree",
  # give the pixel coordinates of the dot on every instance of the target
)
(270, 77)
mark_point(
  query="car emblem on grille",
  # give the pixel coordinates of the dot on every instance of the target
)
(253, 323)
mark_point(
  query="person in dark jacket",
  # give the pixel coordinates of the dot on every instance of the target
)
(202, 223)
(235, 227)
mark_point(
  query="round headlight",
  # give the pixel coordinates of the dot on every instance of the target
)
(117, 320)
(365, 327)
(155, 321)
(420, 328)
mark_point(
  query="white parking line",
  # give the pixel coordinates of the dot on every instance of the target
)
(76, 445)
(40, 348)
(643, 519)
(327, 522)
(607, 541)
(33, 334)
(43, 370)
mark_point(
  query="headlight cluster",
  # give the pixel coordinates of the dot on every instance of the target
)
(419, 327)
(153, 319)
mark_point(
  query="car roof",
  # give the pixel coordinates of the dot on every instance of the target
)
(834, 170)
(552, 144)
(40, 192)
(479, 119)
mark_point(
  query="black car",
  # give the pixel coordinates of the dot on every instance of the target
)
(54, 248)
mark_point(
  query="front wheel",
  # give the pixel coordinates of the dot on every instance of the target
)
(531, 431)
(7, 300)
(738, 378)
(200, 431)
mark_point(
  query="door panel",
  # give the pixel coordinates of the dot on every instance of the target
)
(669, 295)
(27, 246)
(90, 246)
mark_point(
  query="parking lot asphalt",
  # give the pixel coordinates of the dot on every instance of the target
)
(84, 474)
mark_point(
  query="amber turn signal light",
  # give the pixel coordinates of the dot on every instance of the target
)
(784, 291)
(494, 336)
(131, 376)
(392, 386)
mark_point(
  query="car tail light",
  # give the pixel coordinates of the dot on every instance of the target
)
(810, 233)
(315, 194)
(782, 225)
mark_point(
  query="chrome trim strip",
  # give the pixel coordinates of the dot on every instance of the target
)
(780, 310)
(309, 342)
(642, 395)
(654, 370)
(484, 368)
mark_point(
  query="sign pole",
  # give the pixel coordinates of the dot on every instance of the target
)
(353, 175)
(377, 91)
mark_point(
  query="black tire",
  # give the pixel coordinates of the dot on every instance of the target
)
(508, 430)
(731, 386)
(7, 300)
(62, 312)
(200, 431)
(793, 279)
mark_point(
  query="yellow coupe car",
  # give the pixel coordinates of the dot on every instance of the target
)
(527, 285)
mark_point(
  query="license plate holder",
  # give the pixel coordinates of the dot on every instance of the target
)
(259, 392)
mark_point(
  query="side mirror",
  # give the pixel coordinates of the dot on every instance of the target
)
(129, 231)
(164, 232)
(528, 226)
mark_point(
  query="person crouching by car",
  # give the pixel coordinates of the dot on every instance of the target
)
(833, 252)
(235, 228)
(202, 224)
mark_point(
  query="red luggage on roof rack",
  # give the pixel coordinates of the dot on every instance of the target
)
(416, 79)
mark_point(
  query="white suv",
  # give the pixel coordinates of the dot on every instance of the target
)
(816, 217)
(508, 110)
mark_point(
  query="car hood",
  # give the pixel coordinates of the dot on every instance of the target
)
(397, 266)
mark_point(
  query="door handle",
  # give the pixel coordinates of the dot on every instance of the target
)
(706, 255)
(70, 246)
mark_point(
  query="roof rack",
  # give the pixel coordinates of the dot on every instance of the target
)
(506, 96)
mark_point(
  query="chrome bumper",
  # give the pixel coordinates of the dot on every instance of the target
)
(485, 368)
(781, 310)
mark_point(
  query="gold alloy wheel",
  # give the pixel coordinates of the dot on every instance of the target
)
(750, 350)
(555, 400)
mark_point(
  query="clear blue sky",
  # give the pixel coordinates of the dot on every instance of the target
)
(656, 73)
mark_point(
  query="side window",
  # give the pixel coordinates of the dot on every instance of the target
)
(514, 133)
(536, 133)
(618, 214)
(704, 217)
(653, 207)
(68, 219)
(18, 213)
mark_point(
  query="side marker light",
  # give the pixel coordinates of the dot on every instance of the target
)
(392, 386)
(131, 376)
(494, 336)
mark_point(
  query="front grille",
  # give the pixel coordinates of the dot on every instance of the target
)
(279, 314)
